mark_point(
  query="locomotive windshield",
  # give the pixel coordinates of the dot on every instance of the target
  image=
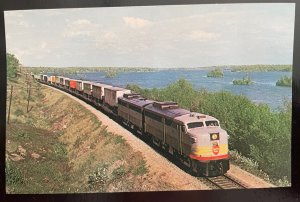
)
(195, 125)
(211, 123)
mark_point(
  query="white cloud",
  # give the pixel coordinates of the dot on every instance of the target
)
(13, 14)
(81, 27)
(136, 22)
(43, 45)
(110, 35)
(203, 36)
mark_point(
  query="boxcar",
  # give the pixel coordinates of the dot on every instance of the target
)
(87, 88)
(79, 86)
(45, 78)
(111, 95)
(62, 81)
(57, 80)
(52, 79)
(72, 84)
(67, 83)
(98, 91)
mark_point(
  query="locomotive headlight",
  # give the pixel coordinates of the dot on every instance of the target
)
(214, 136)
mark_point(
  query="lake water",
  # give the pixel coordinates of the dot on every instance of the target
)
(263, 90)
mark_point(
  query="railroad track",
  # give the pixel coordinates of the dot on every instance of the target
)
(222, 182)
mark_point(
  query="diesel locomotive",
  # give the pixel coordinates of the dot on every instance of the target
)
(195, 139)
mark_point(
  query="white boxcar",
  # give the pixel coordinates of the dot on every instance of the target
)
(79, 85)
(98, 90)
(112, 94)
(87, 87)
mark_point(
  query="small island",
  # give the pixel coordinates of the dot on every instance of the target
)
(245, 81)
(216, 73)
(111, 74)
(285, 81)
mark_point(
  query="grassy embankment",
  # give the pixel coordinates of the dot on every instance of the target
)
(285, 81)
(216, 73)
(259, 138)
(59, 146)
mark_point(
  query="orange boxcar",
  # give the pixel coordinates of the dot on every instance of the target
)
(73, 84)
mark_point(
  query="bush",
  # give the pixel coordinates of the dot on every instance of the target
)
(99, 178)
(12, 65)
(118, 173)
(284, 81)
(141, 168)
(119, 140)
(19, 112)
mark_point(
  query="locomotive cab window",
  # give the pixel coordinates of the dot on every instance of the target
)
(195, 125)
(211, 123)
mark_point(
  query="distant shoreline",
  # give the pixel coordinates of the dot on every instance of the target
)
(233, 68)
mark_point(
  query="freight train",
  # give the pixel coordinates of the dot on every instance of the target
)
(195, 139)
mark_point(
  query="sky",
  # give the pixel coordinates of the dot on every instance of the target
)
(153, 36)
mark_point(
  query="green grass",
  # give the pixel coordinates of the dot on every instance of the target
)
(13, 174)
(141, 168)
(118, 173)
(119, 140)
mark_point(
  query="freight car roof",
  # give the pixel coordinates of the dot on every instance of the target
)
(139, 102)
(117, 89)
(171, 113)
(101, 84)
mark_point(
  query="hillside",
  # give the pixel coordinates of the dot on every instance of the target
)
(59, 142)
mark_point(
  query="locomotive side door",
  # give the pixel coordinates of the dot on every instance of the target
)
(179, 131)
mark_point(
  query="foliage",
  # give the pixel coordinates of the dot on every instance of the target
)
(60, 151)
(284, 81)
(255, 131)
(19, 112)
(111, 74)
(141, 169)
(118, 173)
(99, 177)
(216, 73)
(13, 174)
(261, 68)
(109, 71)
(245, 81)
(12, 65)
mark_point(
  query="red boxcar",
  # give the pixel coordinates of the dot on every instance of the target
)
(73, 84)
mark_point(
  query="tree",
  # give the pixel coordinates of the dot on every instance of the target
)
(12, 65)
